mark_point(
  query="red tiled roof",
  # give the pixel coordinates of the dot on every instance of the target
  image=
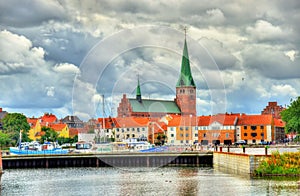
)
(32, 121)
(48, 118)
(255, 120)
(109, 122)
(204, 120)
(132, 122)
(279, 122)
(183, 121)
(57, 127)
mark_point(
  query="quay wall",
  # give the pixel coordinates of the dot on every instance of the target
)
(109, 160)
(236, 163)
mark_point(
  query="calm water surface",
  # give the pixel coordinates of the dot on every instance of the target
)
(138, 181)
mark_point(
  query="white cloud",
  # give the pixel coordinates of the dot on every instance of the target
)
(66, 68)
(265, 31)
(284, 90)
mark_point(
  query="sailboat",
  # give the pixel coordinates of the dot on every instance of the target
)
(35, 148)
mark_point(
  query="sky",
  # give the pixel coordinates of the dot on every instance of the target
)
(64, 56)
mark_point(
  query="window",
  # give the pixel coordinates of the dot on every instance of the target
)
(118, 135)
(172, 141)
(204, 135)
(172, 135)
(181, 128)
(253, 134)
(191, 91)
(186, 135)
(196, 134)
(143, 129)
(127, 129)
(118, 130)
(187, 141)
(261, 127)
(181, 141)
(227, 135)
(245, 127)
(186, 128)
(172, 128)
(262, 134)
(245, 134)
(138, 129)
(122, 130)
(133, 135)
(253, 128)
(181, 135)
(132, 129)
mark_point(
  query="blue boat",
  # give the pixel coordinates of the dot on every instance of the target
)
(35, 148)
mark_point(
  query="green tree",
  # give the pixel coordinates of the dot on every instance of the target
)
(12, 124)
(291, 116)
(4, 139)
(50, 135)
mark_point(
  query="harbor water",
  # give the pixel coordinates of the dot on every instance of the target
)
(139, 181)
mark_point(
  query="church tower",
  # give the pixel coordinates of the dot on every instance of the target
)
(138, 91)
(185, 87)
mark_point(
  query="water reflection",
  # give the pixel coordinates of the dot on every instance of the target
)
(139, 181)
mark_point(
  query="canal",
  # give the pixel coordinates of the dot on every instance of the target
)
(139, 181)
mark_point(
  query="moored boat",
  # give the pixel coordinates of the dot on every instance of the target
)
(34, 148)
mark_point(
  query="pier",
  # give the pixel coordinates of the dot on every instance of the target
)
(193, 159)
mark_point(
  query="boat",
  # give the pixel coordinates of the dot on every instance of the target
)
(34, 148)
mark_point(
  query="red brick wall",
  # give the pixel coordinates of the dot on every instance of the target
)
(186, 100)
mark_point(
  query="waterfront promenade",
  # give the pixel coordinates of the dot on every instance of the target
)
(170, 157)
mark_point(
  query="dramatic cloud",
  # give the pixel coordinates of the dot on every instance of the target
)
(63, 56)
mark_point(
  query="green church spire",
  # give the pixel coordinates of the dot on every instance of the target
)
(138, 91)
(185, 78)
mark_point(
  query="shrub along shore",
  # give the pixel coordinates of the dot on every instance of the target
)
(285, 164)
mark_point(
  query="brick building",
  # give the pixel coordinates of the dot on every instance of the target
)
(273, 109)
(184, 104)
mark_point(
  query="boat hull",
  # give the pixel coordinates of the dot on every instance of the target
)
(18, 151)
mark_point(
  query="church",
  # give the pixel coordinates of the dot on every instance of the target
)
(184, 104)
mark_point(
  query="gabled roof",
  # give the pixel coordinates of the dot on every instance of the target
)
(223, 119)
(264, 119)
(48, 118)
(71, 119)
(132, 122)
(32, 121)
(182, 121)
(57, 127)
(154, 106)
(109, 122)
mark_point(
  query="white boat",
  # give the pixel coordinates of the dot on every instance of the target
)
(34, 148)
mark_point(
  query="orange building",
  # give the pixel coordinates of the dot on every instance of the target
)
(255, 128)
(217, 129)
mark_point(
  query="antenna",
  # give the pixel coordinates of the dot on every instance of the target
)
(185, 30)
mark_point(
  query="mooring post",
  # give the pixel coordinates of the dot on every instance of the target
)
(244, 149)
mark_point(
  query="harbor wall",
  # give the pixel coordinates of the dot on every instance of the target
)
(109, 160)
(236, 163)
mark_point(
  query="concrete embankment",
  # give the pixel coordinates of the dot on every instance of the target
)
(236, 163)
(194, 159)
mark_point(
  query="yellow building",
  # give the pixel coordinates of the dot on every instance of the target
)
(61, 129)
(35, 129)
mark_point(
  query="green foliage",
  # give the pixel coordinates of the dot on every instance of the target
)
(280, 164)
(4, 139)
(291, 116)
(50, 135)
(12, 124)
(62, 140)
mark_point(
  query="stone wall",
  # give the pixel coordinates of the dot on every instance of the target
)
(240, 164)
